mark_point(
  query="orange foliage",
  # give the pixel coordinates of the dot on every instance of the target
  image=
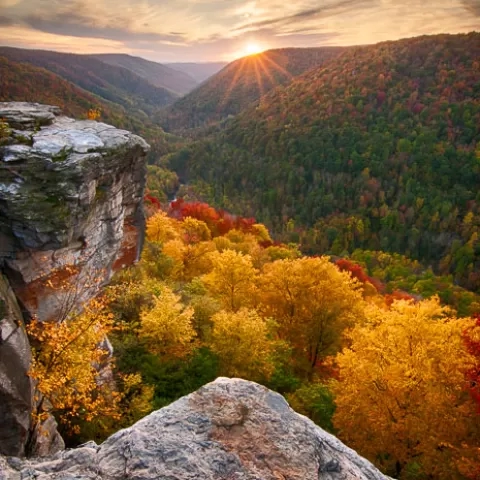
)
(397, 295)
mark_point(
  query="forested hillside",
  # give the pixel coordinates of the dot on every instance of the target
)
(377, 149)
(214, 296)
(25, 83)
(240, 83)
(157, 74)
(113, 83)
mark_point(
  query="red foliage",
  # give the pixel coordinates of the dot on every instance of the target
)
(473, 375)
(153, 201)
(397, 295)
(356, 271)
(219, 222)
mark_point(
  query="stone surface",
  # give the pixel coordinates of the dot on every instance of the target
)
(71, 213)
(15, 385)
(70, 205)
(229, 429)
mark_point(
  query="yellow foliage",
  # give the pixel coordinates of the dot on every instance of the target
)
(195, 230)
(66, 366)
(401, 399)
(137, 398)
(241, 340)
(94, 113)
(313, 303)
(167, 327)
(223, 243)
(232, 279)
(189, 260)
(175, 249)
(260, 231)
(161, 228)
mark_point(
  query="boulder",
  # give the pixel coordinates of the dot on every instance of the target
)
(229, 429)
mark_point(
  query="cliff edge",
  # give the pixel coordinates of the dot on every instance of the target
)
(71, 213)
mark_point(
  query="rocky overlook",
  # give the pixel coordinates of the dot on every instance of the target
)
(229, 429)
(71, 213)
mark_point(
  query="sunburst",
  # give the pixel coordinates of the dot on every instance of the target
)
(261, 65)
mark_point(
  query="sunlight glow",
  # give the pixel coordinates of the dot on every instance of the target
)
(253, 48)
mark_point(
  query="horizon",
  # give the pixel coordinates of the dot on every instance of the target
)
(205, 31)
(207, 62)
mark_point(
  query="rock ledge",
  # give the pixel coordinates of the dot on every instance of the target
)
(229, 429)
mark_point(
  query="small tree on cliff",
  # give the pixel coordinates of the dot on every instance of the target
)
(66, 367)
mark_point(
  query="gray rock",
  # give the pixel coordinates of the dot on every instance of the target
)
(15, 385)
(71, 213)
(229, 429)
(71, 194)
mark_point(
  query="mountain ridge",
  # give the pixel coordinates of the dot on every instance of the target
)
(112, 83)
(241, 83)
(384, 134)
(157, 74)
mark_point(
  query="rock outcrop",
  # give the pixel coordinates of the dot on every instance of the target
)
(70, 205)
(71, 213)
(229, 429)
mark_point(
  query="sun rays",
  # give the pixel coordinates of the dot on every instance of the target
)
(264, 67)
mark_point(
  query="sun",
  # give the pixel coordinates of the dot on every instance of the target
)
(253, 48)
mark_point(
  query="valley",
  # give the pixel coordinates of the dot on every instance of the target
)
(312, 224)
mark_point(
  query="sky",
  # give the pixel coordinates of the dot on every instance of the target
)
(222, 30)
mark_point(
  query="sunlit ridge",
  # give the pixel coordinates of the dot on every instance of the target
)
(262, 67)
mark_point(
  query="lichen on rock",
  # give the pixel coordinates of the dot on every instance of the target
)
(67, 197)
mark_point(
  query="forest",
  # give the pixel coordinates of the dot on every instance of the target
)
(239, 85)
(374, 150)
(313, 226)
(214, 295)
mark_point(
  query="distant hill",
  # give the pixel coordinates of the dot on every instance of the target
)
(199, 71)
(157, 74)
(239, 84)
(113, 83)
(24, 82)
(378, 149)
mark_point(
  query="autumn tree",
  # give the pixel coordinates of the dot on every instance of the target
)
(313, 303)
(161, 228)
(195, 230)
(400, 399)
(66, 360)
(471, 337)
(243, 342)
(189, 259)
(166, 328)
(232, 279)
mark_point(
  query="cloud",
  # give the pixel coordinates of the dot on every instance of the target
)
(302, 16)
(76, 25)
(5, 21)
(473, 6)
(212, 29)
